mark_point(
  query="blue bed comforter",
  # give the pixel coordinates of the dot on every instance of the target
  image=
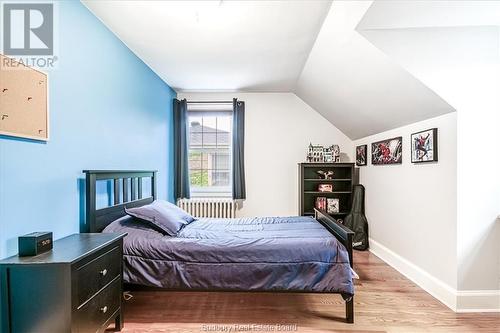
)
(261, 254)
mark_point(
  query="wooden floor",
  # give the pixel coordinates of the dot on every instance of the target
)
(385, 302)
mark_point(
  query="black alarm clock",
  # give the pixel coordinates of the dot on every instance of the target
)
(34, 243)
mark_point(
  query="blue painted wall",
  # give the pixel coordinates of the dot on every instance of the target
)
(108, 110)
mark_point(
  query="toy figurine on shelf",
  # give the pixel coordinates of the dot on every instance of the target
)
(314, 153)
(336, 153)
(326, 174)
(320, 154)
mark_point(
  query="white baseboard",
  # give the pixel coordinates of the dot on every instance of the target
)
(458, 301)
(478, 301)
(437, 288)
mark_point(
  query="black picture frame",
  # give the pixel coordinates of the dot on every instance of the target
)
(380, 156)
(426, 144)
(361, 155)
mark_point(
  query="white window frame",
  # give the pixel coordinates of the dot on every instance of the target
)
(211, 191)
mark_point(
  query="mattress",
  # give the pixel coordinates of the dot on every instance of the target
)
(245, 254)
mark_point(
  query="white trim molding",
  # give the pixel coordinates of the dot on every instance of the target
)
(478, 301)
(458, 301)
(437, 288)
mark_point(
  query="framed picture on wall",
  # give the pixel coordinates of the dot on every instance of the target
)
(388, 151)
(424, 146)
(361, 155)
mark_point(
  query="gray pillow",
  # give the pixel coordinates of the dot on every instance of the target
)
(162, 216)
(175, 210)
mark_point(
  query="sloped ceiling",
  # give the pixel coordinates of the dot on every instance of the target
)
(430, 13)
(446, 45)
(355, 85)
(338, 57)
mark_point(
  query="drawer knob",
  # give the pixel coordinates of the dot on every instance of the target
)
(104, 309)
(103, 272)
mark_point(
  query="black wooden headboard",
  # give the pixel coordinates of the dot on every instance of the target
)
(98, 218)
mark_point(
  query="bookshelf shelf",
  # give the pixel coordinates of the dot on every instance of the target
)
(342, 182)
(329, 180)
(325, 193)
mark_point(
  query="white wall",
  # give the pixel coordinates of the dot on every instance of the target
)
(411, 208)
(278, 129)
(479, 189)
(462, 64)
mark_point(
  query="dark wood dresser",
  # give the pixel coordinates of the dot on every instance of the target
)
(75, 287)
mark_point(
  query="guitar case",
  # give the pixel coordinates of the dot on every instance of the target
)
(356, 219)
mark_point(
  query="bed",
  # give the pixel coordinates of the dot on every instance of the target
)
(274, 254)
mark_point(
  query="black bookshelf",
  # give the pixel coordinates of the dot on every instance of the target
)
(342, 180)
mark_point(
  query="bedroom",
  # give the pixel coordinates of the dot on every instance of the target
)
(103, 80)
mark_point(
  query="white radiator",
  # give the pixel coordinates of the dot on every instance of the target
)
(209, 207)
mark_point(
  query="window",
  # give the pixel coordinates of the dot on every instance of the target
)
(210, 151)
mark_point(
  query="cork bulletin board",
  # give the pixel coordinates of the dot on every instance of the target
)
(23, 101)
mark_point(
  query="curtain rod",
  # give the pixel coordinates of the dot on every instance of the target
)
(207, 102)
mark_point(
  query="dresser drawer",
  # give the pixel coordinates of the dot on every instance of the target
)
(93, 315)
(97, 273)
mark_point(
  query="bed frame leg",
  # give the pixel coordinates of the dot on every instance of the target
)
(349, 310)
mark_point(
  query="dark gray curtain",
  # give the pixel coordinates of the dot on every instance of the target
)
(239, 190)
(181, 168)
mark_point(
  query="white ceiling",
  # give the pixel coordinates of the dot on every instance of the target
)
(356, 86)
(430, 13)
(338, 57)
(449, 46)
(218, 45)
